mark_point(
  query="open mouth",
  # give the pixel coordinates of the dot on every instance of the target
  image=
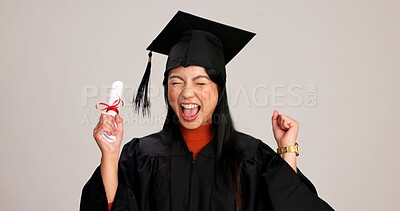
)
(190, 111)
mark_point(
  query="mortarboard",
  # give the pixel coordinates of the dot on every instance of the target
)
(192, 40)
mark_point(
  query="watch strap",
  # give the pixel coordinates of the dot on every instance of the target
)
(294, 148)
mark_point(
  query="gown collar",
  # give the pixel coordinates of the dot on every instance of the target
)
(208, 151)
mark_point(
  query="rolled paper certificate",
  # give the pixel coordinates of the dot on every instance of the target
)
(114, 102)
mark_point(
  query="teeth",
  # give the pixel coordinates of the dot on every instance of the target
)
(189, 106)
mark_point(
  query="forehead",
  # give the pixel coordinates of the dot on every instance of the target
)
(190, 71)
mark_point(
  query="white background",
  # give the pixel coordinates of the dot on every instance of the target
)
(58, 57)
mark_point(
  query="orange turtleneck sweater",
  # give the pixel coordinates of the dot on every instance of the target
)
(197, 139)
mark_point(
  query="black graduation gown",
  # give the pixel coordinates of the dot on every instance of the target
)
(158, 173)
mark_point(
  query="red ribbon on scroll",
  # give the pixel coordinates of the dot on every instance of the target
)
(114, 107)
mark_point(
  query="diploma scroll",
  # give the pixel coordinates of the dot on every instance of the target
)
(114, 102)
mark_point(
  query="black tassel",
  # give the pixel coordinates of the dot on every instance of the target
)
(142, 95)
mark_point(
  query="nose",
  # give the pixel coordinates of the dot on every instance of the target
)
(188, 91)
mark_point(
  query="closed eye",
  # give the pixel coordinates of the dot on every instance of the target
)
(175, 80)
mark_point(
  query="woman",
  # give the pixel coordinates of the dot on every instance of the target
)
(198, 161)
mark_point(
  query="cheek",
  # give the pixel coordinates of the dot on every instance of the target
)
(173, 95)
(214, 97)
(210, 97)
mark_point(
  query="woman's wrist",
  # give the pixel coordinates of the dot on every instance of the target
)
(110, 158)
(288, 149)
(291, 159)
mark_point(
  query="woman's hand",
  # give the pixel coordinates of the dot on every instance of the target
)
(285, 129)
(113, 126)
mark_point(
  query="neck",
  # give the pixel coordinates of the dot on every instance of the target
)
(197, 139)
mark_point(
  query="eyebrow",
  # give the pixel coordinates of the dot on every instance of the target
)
(195, 78)
(175, 76)
(200, 76)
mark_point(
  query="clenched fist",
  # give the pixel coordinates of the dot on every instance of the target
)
(113, 126)
(285, 129)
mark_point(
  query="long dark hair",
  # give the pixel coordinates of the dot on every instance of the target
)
(228, 155)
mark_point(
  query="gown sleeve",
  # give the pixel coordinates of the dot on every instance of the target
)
(287, 189)
(93, 194)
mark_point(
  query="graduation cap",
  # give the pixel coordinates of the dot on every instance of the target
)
(192, 40)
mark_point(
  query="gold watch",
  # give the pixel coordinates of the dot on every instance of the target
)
(294, 148)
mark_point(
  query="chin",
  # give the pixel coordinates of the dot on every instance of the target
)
(190, 125)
